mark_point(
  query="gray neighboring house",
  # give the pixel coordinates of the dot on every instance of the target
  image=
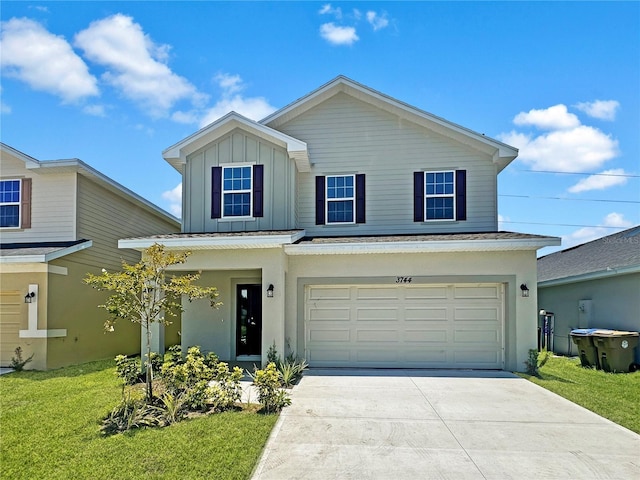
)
(593, 285)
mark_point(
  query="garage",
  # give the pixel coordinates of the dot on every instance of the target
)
(405, 326)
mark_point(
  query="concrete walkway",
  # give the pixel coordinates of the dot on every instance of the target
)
(418, 424)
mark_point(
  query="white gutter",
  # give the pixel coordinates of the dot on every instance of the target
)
(611, 272)
(213, 243)
(419, 246)
(47, 257)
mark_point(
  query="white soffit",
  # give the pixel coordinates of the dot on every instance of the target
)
(46, 257)
(204, 242)
(177, 154)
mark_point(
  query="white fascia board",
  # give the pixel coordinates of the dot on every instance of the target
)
(613, 272)
(420, 247)
(48, 256)
(29, 162)
(177, 154)
(213, 243)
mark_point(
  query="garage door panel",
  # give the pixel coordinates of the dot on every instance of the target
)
(427, 326)
(376, 314)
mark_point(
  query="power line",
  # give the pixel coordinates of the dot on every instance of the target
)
(626, 175)
(571, 199)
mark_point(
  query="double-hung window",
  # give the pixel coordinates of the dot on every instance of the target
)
(440, 195)
(340, 198)
(10, 196)
(236, 191)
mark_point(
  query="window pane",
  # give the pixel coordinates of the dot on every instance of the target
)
(236, 178)
(340, 187)
(9, 216)
(237, 204)
(439, 208)
(341, 211)
(10, 191)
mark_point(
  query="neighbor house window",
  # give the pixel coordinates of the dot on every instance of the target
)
(440, 195)
(237, 191)
(340, 199)
(10, 203)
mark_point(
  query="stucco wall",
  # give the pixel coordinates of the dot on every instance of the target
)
(615, 303)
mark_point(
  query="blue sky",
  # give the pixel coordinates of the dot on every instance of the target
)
(115, 83)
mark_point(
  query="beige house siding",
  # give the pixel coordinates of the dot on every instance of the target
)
(240, 147)
(348, 136)
(52, 203)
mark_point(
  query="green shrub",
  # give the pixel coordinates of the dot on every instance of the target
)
(175, 353)
(227, 389)
(536, 360)
(196, 396)
(173, 408)
(270, 395)
(127, 369)
(130, 413)
(291, 371)
(17, 363)
(156, 362)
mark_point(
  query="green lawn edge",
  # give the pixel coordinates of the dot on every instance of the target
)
(615, 396)
(49, 429)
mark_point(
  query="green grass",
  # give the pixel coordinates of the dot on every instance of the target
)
(615, 396)
(49, 429)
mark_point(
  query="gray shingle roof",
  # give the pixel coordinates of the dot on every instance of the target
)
(620, 250)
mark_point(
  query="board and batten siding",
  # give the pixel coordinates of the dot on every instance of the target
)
(52, 204)
(348, 136)
(105, 218)
(240, 148)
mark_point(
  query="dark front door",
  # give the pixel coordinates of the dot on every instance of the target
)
(249, 320)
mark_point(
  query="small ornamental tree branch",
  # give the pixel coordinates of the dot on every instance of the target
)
(144, 294)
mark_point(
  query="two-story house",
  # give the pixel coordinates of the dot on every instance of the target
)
(354, 230)
(59, 220)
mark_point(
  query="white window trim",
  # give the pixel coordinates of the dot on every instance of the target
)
(439, 195)
(18, 203)
(249, 191)
(341, 199)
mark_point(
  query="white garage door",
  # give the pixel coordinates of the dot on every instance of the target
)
(426, 326)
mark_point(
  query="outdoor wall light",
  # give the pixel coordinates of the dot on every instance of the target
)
(524, 289)
(270, 291)
(28, 298)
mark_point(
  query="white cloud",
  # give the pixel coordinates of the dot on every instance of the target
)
(174, 197)
(552, 118)
(606, 179)
(95, 110)
(601, 109)
(567, 146)
(378, 22)
(254, 108)
(587, 234)
(135, 65)
(327, 9)
(337, 35)
(44, 61)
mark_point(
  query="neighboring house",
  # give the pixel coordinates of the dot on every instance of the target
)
(593, 285)
(60, 220)
(354, 230)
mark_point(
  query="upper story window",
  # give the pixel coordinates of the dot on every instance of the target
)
(439, 195)
(340, 199)
(10, 196)
(237, 191)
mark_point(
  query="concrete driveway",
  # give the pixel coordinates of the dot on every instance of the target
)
(418, 424)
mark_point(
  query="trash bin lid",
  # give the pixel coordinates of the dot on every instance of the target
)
(614, 333)
(583, 332)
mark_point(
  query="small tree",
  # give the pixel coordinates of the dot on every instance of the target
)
(144, 293)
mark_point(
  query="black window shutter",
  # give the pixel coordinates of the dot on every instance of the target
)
(418, 196)
(216, 192)
(461, 194)
(360, 198)
(320, 200)
(258, 184)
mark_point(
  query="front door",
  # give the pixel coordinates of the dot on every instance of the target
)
(249, 320)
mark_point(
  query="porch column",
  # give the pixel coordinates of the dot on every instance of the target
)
(273, 310)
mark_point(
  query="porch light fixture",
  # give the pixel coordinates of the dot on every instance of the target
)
(28, 298)
(524, 289)
(270, 291)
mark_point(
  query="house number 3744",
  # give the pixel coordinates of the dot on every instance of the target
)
(403, 279)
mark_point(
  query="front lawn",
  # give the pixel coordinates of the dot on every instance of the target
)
(615, 396)
(49, 428)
